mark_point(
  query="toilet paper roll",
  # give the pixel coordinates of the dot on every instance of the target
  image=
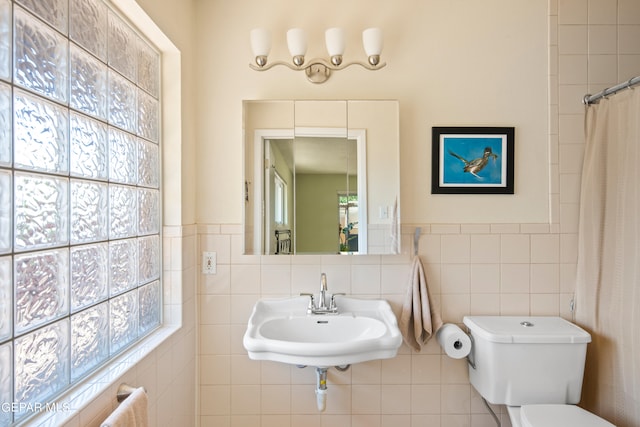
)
(455, 343)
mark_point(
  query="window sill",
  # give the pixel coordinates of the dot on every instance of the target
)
(71, 403)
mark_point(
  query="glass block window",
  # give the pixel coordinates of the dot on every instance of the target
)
(80, 197)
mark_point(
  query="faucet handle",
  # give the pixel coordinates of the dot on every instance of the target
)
(312, 303)
(332, 304)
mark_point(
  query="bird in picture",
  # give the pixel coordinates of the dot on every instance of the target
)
(476, 165)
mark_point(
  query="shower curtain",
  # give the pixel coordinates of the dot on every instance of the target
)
(608, 275)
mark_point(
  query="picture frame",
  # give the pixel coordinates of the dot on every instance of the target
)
(472, 160)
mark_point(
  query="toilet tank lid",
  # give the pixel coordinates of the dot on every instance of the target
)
(526, 329)
(559, 416)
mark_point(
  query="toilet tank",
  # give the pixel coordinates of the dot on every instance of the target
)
(526, 360)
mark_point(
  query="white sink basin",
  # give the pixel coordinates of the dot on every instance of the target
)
(282, 331)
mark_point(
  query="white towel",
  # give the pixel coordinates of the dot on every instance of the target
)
(132, 412)
(419, 320)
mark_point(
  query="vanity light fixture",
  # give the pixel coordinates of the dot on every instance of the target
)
(317, 70)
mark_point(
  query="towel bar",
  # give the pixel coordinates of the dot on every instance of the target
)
(124, 390)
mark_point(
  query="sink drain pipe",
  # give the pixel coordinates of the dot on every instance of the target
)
(321, 388)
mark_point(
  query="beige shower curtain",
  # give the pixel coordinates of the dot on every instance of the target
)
(608, 276)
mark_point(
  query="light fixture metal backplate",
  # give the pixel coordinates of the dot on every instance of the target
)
(317, 73)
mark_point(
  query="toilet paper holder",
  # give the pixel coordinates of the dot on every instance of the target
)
(471, 360)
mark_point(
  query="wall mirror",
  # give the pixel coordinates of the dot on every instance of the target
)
(321, 177)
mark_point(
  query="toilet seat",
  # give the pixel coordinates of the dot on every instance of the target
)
(559, 416)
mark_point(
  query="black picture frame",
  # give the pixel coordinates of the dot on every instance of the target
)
(472, 160)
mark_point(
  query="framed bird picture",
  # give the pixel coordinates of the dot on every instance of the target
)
(472, 160)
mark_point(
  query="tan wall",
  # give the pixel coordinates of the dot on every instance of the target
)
(484, 255)
(511, 63)
(446, 66)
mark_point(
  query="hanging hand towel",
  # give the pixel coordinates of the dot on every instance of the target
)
(132, 412)
(419, 320)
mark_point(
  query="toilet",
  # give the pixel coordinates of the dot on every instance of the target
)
(534, 365)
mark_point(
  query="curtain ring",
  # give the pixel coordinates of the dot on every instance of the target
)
(630, 84)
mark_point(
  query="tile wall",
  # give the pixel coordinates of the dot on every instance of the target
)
(471, 268)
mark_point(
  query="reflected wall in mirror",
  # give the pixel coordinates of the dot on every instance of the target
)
(321, 177)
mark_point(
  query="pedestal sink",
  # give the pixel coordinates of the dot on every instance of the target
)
(280, 330)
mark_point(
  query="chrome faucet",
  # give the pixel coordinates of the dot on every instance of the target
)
(322, 304)
(322, 307)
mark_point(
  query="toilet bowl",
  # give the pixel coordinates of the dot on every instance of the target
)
(554, 415)
(534, 365)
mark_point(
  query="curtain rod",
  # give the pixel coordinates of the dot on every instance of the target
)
(590, 99)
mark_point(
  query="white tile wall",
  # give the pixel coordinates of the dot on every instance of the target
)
(487, 270)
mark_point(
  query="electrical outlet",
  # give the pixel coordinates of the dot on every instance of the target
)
(209, 263)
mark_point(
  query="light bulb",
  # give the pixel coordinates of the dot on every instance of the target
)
(334, 38)
(297, 42)
(261, 45)
(372, 42)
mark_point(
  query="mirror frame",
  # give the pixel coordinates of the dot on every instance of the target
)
(254, 141)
